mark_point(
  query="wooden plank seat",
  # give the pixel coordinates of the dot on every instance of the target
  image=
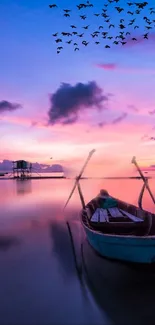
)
(131, 216)
(115, 212)
(100, 215)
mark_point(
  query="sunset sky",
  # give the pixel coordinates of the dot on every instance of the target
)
(63, 105)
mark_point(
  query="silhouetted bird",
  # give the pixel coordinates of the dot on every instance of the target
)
(53, 6)
(85, 43)
(145, 35)
(83, 17)
(58, 40)
(66, 10)
(119, 9)
(121, 26)
(67, 15)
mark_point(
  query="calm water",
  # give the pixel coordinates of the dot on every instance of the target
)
(39, 280)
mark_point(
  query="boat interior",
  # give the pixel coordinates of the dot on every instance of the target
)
(121, 218)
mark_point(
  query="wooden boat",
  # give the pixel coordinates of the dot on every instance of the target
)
(116, 229)
(124, 232)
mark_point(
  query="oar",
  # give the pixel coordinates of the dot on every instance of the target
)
(78, 177)
(143, 178)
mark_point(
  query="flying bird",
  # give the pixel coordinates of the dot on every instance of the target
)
(137, 8)
(83, 17)
(119, 9)
(81, 35)
(145, 36)
(66, 10)
(67, 15)
(53, 6)
(58, 40)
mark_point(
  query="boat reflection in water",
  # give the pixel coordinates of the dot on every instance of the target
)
(125, 293)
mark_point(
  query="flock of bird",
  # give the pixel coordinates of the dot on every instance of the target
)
(106, 27)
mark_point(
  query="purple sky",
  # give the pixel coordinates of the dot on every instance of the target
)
(31, 71)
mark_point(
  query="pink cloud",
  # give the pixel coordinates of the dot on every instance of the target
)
(141, 40)
(116, 67)
(107, 66)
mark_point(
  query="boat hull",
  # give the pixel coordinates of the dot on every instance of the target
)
(124, 248)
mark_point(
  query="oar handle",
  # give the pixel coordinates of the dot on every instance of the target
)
(143, 177)
(79, 176)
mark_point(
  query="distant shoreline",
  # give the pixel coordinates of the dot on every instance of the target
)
(82, 178)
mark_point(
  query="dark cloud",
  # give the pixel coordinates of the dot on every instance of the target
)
(102, 124)
(144, 137)
(69, 101)
(7, 106)
(152, 138)
(120, 118)
(34, 123)
(152, 112)
(133, 108)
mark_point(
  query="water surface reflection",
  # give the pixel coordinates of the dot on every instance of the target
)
(38, 276)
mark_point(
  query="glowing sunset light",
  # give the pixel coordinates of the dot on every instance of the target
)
(65, 105)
